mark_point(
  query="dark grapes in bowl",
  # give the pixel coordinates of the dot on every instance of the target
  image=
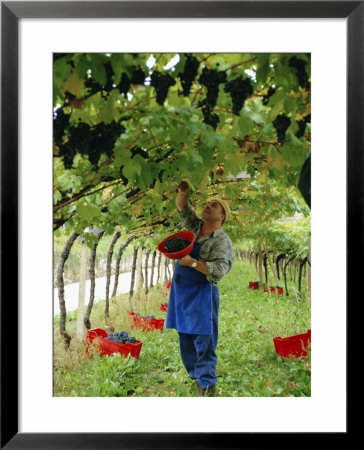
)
(177, 245)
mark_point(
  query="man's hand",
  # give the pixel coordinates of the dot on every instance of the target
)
(184, 187)
(186, 260)
(183, 190)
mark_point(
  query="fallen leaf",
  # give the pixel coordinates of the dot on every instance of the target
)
(270, 383)
(292, 384)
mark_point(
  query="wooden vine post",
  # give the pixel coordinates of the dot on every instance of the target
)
(62, 304)
(162, 268)
(139, 273)
(260, 261)
(159, 268)
(98, 232)
(131, 291)
(82, 290)
(108, 270)
(117, 264)
(271, 265)
(146, 290)
(152, 268)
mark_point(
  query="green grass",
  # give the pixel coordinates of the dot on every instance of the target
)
(247, 363)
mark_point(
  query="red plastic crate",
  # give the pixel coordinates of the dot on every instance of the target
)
(253, 284)
(274, 289)
(98, 336)
(164, 307)
(293, 345)
(146, 324)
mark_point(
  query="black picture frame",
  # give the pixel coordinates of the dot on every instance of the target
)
(11, 12)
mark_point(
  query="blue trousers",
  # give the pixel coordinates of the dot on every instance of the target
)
(198, 352)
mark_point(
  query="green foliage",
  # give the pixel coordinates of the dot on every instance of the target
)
(186, 121)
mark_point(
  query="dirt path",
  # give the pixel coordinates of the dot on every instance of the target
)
(71, 291)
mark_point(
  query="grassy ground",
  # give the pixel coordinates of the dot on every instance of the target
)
(247, 363)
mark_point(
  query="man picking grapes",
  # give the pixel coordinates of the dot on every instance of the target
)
(194, 297)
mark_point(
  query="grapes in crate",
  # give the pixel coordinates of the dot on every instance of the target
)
(176, 244)
(121, 337)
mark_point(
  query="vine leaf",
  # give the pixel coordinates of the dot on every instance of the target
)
(87, 211)
(73, 84)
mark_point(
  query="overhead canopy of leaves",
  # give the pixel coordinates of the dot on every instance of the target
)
(129, 127)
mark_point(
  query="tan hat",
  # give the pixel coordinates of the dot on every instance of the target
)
(224, 204)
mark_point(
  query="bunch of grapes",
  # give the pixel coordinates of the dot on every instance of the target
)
(60, 122)
(281, 123)
(268, 95)
(302, 125)
(161, 83)
(109, 74)
(121, 337)
(302, 76)
(239, 89)
(176, 244)
(144, 317)
(211, 78)
(124, 85)
(138, 76)
(92, 141)
(209, 117)
(189, 74)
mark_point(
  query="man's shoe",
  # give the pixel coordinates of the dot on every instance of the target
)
(207, 392)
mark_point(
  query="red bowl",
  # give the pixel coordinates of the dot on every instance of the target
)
(186, 251)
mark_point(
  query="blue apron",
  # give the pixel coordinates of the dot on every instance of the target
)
(190, 299)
